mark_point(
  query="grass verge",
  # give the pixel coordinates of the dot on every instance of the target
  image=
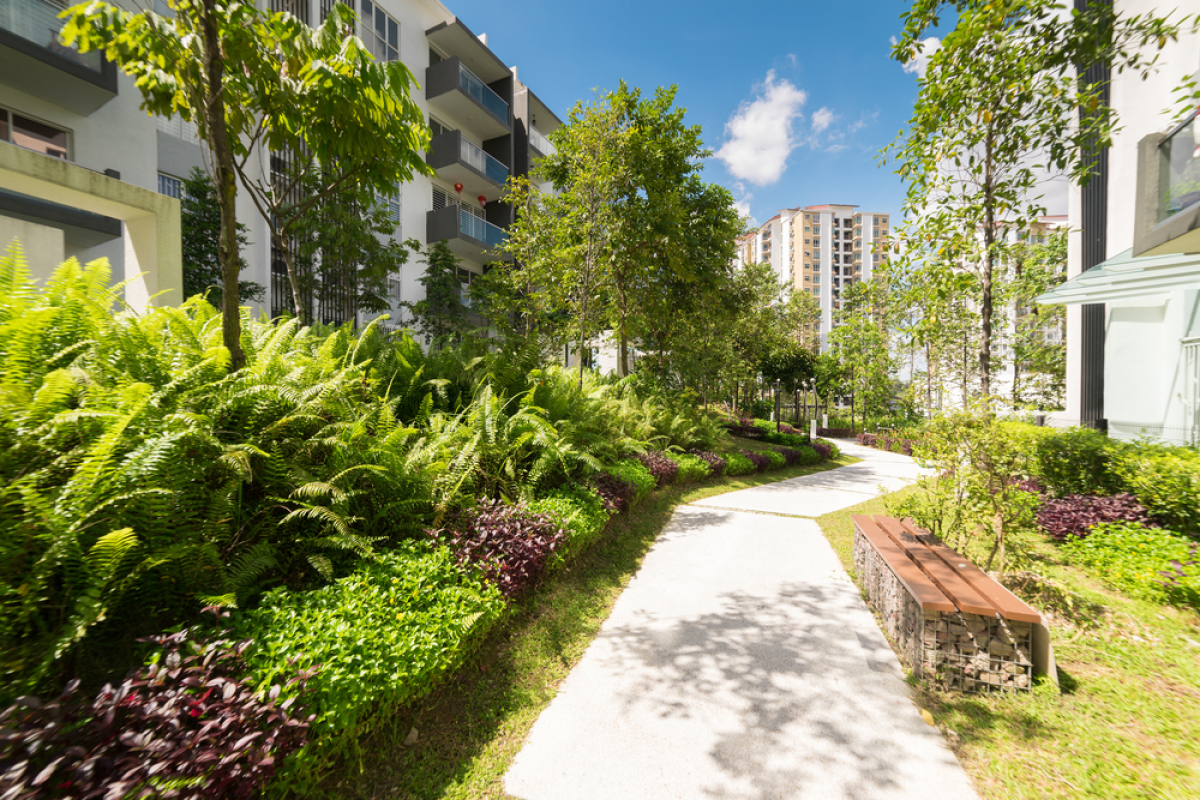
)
(1128, 720)
(472, 727)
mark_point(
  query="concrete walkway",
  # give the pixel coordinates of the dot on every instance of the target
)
(742, 663)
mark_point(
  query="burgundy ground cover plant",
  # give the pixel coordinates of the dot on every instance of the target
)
(616, 493)
(824, 449)
(1075, 514)
(760, 462)
(791, 456)
(662, 468)
(184, 727)
(510, 543)
(716, 464)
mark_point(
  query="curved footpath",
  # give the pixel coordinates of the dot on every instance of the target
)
(741, 662)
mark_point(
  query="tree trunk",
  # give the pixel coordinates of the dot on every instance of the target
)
(623, 353)
(985, 305)
(226, 185)
(303, 312)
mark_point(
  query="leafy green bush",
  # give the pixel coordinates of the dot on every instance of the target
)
(1145, 562)
(633, 472)
(691, 468)
(738, 464)
(1074, 461)
(1166, 480)
(578, 509)
(777, 460)
(382, 636)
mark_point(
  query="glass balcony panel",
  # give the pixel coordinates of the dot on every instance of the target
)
(473, 86)
(540, 142)
(37, 21)
(480, 229)
(1180, 172)
(475, 157)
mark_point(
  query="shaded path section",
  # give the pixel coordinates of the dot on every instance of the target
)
(741, 663)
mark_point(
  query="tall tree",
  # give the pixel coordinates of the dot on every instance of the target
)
(441, 315)
(566, 240)
(861, 340)
(998, 108)
(1038, 343)
(255, 82)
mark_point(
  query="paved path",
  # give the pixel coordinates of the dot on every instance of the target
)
(742, 663)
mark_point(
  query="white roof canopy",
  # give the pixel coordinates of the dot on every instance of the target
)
(1124, 277)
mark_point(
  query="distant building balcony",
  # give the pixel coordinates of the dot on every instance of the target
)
(1167, 206)
(459, 160)
(33, 60)
(468, 235)
(450, 86)
(539, 142)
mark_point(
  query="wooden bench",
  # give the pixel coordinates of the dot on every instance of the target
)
(950, 621)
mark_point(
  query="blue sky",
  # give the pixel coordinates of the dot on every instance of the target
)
(797, 98)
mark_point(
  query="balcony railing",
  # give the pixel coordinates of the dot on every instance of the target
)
(1179, 176)
(475, 157)
(37, 21)
(480, 229)
(539, 142)
(476, 88)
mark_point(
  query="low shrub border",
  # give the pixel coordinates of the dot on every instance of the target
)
(392, 631)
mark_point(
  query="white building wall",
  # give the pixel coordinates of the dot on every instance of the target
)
(1143, 380)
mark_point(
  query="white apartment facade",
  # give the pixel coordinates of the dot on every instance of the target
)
(83, 118)
(1133, 293)
(821, 250)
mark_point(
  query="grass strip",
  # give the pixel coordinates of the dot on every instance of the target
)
(1128, 720)
(470, 729)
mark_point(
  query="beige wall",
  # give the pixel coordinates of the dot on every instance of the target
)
(42, 247)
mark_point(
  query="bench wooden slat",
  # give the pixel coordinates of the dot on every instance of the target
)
(918, 584)
(1008, 604)
(960, 591)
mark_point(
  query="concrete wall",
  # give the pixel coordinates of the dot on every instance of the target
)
(41, 246)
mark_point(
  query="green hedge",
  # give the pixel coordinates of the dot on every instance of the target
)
(691, 468)
(738, 464)
(379, 637)
(636, 473)
(579, 510)
(1140, 561)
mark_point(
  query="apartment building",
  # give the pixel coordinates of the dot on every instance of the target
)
(820, 250)
(79, 115)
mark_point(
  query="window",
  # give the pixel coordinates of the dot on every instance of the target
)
(381, 33)
(33, 135)
(391, 202)
(170, 186)
(438, 127)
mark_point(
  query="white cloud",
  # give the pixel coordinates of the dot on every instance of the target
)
(760, 132)
(920, 61)
(836, 148)
(862, 122)
(742, 205)
(822, 119)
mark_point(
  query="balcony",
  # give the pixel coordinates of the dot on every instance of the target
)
(33, 60)
(458, 160)
(1167, 205)
(468, 235)
(539, 142)
(453, 88)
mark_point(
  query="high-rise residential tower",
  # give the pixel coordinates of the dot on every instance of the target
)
(820, 250)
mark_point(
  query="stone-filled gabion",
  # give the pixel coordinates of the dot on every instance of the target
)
(965, 652)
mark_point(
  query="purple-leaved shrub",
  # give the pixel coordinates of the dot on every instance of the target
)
(510, 543)
(187, 721)
(662, 468)
(1076, 514)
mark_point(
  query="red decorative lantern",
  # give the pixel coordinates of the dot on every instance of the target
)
(458, 188)
(482, 201)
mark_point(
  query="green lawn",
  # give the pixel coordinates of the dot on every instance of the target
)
(472, 728)
(1128, 721)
